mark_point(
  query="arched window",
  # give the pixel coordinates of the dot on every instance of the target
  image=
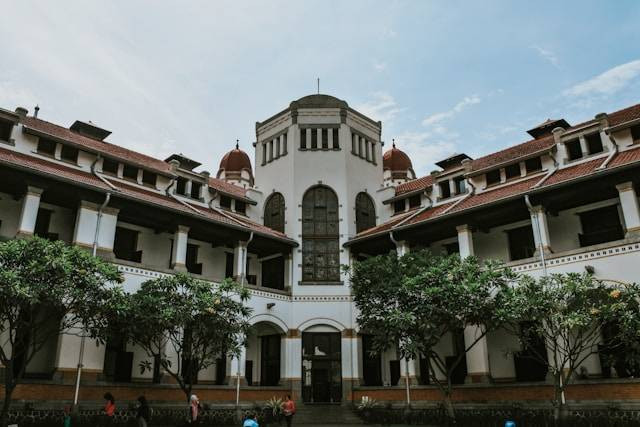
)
(274, 212)
(320, 248)
(365, 212)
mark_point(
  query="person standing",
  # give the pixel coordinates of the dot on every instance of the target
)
(109, 408)
(144, 413)
(288, 409)
(194, 409)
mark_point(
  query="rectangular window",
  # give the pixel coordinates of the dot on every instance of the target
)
(336, 139)
(460, 184)
(360, 149)
(314, 139)
(600, 226)
(373, 153)
(451, 248)
(110, 166)
(125, 245)
(69, 154)
(43, 220)
(493, 177)
(521, 243)
(181, 186)
(130, 172)
(149, 178)
(574, 151)
(264, 153)
(5, 130)
(271, 150)
(325, 138)
(228, 265)
(414, 201)
(241, 207)
(225, 202)
(367, 150)
(46, 147)
(303, 139)
(635, 133)
(192, 259)
(284, 144)
(594, 143)
(445, 189)
(273, 273)
(196, 189)
(354, 143)
(533, 165)
(399, 206)
(512, 171)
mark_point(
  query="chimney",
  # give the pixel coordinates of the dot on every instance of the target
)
(35, 111)
(22, 112)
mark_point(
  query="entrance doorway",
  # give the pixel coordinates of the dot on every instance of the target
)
(321, 367)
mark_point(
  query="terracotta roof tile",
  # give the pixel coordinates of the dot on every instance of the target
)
(385, 226)
(413, 185)
(513, 153)
(624, 115)
(226, 187)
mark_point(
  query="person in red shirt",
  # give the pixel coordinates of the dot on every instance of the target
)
(109, 407)
(288, 409)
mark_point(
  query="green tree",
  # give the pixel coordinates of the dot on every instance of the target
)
(412, 302)
(46, 289)
(194, 320)
(568, 312)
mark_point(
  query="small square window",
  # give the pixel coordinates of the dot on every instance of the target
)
(69, 154)
(149, 178)
(130, 172)
(195, 189)
(635, 133)
(181, 186)
(110, 166)
(533, 165)
(594, 143)
(460, 184)
(336, 139)
(574, 151)
(47, 147)
(414, 201)
(512, 171)
(399, 205)
(5, 130)
(241, 207)
(493, 177)
(445, 190)
(225, 202)
(303, 139)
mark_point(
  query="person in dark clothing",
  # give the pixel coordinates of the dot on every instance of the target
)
(144, 412)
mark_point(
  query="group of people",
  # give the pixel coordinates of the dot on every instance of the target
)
(143, 413)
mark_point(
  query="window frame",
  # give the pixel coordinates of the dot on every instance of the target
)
(489, 174)
(271, 210)
(365, 212)
(44, 142)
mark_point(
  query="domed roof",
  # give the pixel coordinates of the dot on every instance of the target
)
(319, 101)
(235, 160)
(396, 160)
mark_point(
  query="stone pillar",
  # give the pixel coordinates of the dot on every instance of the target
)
(583, 146)
(179, 252)
(350, 369)
(238, 369)
(630, 211)
(29, 213)
(84, 232)
(541, 234)
(288, 273)
(68, 356)
(478, 370)
(402, 247)
(465, 240)
(292, 376)
(308, 136)
(408, 369)
(239, 260)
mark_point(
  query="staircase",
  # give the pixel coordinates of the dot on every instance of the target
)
(325, 415)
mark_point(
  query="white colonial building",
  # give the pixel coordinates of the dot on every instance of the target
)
(322, 192)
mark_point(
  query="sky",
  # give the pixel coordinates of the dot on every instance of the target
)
(444, 77)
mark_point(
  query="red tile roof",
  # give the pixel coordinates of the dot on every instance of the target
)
(226, 187)
(624, 115)
(512, 153)
(414, 185)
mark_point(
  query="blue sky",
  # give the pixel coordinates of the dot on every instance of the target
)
(444, 77)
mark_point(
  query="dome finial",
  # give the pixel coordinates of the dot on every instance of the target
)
(393, 143)
(237, 144)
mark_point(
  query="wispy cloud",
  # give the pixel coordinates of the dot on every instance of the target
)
(607, 83)
(382, 107)
(426, 148)
(379, 66)
(458, 108)
(547, 55)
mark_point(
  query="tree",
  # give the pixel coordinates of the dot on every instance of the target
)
(46, 289)
(194, 320)
(568, 312)
(412, 302)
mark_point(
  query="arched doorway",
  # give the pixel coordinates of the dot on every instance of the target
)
(321, 365)
(264, 357)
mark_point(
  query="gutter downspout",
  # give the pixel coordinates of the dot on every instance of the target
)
(100, 177)
(244, 275)
(536, 228)
(416, 213)
(613, 153)
(551, 172)
(471, 193)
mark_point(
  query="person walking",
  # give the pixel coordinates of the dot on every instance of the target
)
(288, 409)
(194, 410)
(144, 413)
(250, 421)
(109, 408)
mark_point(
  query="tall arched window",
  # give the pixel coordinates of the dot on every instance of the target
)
(320, 248)
(274, 212)
(365, 212)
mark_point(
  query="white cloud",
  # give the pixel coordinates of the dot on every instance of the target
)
(426, 148)
(379, 66)
(458, 108)
(383, 107)
(388, 33)
(607, 83)
(547, 55)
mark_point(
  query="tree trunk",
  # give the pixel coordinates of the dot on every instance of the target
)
(561, 411)
(9, 386)
(448, 406)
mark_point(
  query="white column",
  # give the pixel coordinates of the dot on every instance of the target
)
(402, 248)
(67, 357)
(465, 240)
(288, 271)
(478, 356)
(84, 232)
(308, 135)
(293, 363)
(409, 369)
(29, 213)
(630, 211)
(238, 366)
(179, 252)
(539, 217)
(330, 138)
(583, 146)
(239, 260)
(452, 187)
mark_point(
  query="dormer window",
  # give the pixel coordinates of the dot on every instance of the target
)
(574, 151)
(5, 130)
(512, 171)
(46, 147)
(69, 154)
(241, 207)
(225, 202)
(493, 177)
(196, 188)
(594, 143)
(399, 206)
(181, 186)
(533, 165)
(460, 185)
(635, 134)
(445, 189)
(130, 172)
(149, 178)
(110, 166)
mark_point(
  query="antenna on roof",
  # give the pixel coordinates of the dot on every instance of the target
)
(318, 85)
(237, 144)
(393, 143)
(35, 111)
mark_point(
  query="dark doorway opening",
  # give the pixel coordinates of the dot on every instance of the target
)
(321, 367)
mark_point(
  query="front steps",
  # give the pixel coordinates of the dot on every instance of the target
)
(322, 415)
